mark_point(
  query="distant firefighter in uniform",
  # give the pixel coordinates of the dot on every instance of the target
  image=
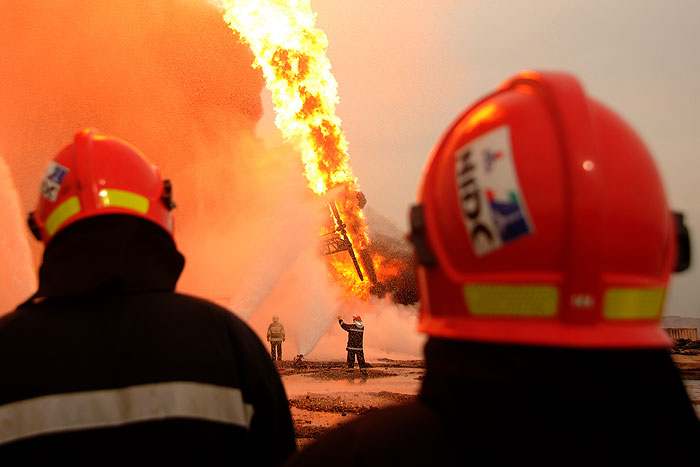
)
(275, 336)
(355, 332)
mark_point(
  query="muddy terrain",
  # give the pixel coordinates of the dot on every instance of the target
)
(686, 355)
(324, 394)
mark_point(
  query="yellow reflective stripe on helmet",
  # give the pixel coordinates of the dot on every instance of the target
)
(66, 209)
(124, 199)
(511, 300)
(633, 303)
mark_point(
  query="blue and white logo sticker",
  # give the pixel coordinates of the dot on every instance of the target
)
(492, 205)
(53, 178)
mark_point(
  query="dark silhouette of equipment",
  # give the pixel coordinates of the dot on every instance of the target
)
(337, 240)
(299, 363)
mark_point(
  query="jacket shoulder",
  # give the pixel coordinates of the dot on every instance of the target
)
(409, 434)
(196, 307)
(201, 305)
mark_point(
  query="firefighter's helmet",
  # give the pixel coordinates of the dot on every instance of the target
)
(357, 318)
(542, 220)
(97, 175)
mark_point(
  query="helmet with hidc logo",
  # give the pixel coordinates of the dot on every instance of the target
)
(96, 175)
(542, 220)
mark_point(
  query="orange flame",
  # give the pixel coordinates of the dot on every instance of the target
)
(343, 273)
(291, 52)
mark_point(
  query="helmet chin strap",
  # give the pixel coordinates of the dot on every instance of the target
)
(683, 249)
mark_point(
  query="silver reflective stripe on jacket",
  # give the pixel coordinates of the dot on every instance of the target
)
(356, 330)
(113, 407)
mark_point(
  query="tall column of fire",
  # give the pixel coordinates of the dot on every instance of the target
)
(291, 52)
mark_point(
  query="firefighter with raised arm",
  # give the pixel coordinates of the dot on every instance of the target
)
(275, 336)
(356, 331)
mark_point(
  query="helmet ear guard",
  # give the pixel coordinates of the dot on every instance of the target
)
(167, 196)
(33, 226)
(424, 255)
(683, 249)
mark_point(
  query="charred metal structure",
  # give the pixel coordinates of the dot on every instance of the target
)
(367, 263)
(337, 240)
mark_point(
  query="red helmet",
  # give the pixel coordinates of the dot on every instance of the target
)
(356, 318)
(543, 221)
(97, 175)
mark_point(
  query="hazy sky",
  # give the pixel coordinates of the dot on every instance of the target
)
(406, 69)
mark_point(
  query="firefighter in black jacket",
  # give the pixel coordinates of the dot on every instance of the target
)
(106, 364)
(356, 331)
(541, 277)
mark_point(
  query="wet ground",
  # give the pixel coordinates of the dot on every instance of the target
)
(689, 365)
(688, 362)
(323, 395)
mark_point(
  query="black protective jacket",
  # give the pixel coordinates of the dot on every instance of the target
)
(106, 365)
(355, 335)
(497, 405)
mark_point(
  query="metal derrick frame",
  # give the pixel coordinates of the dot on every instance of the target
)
(337, 241)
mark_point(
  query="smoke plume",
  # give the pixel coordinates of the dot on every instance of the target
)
(172, 79)
(167, 76)
(396, 273)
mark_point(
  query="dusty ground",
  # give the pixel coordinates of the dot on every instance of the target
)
(323, 395)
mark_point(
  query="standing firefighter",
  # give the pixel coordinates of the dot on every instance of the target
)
(106, 364)
(275, 336)
(356, 331)
(544, 245)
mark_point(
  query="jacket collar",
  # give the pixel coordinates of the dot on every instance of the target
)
(109, 254)
(456, 368)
